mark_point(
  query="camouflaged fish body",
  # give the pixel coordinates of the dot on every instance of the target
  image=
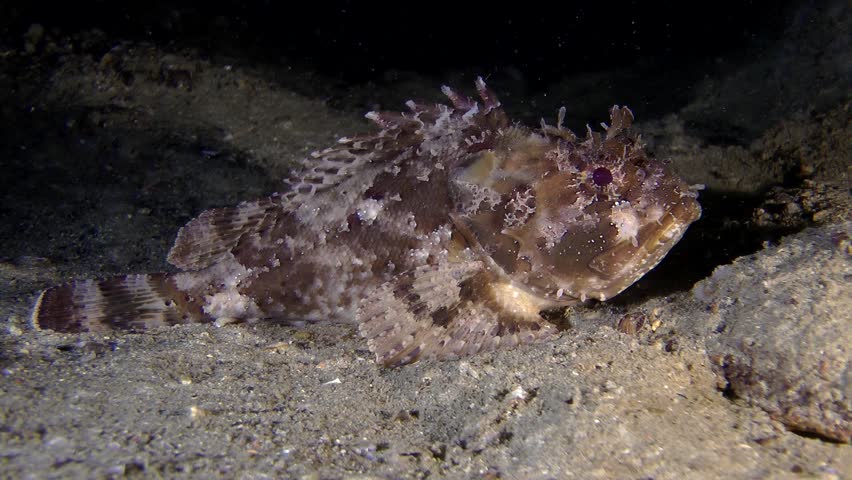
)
(444, 234)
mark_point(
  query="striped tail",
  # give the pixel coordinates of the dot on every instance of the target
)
(128, 302)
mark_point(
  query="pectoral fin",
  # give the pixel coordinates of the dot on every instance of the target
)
(448, 311)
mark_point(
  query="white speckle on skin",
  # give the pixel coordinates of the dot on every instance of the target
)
(230, 304)
(624, 218)
(369, 210)
(419, 256)
(468, 115)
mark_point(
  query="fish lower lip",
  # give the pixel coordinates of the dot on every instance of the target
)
(624, 263)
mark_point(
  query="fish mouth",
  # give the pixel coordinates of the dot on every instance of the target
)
(614, 269)
(626, 262)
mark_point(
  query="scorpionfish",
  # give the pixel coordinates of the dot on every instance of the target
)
(448, 232)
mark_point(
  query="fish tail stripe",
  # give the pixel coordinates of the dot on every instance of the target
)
(131, 302)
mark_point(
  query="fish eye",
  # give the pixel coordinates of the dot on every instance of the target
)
(602, 176)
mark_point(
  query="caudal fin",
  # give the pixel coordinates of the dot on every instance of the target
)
(128, 302)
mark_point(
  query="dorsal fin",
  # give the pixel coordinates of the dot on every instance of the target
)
(327, 168)
(208, 238)
(212, 235)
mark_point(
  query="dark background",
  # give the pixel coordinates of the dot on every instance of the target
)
(361, 41)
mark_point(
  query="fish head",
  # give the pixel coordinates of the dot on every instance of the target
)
(568, 219)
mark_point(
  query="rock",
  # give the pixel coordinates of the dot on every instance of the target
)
(780, 322)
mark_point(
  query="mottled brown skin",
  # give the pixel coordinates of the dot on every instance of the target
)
(445, 234)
